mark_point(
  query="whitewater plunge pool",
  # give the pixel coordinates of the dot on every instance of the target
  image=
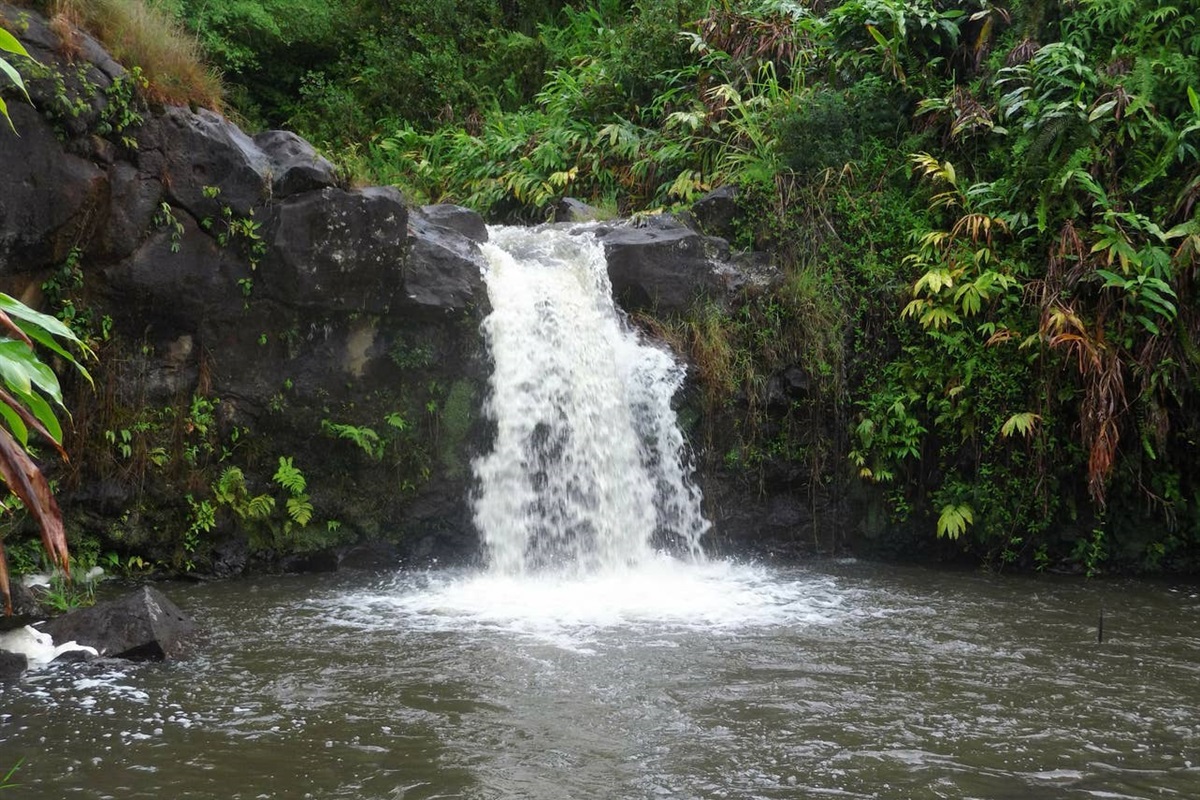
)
(713, 681)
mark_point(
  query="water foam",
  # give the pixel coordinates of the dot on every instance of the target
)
(588, 468)
(662, 595)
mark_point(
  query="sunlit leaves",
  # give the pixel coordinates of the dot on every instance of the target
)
(300, 510)
(289, 476)
(1022, 423)
(9, 44)
(954, 520)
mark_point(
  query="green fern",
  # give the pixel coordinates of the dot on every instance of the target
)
(300, 509)
(290, 477)
(366, 438)
(954, 520)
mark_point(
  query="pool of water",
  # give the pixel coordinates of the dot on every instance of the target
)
(720, 680)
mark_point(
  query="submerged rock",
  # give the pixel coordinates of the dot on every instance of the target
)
(142, 625)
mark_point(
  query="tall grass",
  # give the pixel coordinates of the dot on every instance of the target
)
(144, 34)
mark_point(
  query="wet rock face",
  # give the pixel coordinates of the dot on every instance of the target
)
(338, 250)
(237, 269)
(665, 266)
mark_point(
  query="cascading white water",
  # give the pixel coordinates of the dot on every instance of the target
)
(588, 468)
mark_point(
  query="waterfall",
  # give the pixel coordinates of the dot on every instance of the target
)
(589, 469)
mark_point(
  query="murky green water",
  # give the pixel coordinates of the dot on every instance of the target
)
(842, 680)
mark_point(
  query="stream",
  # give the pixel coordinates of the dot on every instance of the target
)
(674, 680)
(601, 655)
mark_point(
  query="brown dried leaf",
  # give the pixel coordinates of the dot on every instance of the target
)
(8, 609)
(15, 332)
(27, 482)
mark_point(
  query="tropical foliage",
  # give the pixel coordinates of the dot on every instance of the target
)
(984, 214)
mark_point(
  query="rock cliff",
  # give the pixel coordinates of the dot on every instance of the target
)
(247, 307)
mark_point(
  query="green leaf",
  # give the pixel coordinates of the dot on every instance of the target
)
(290, 477)
(14, 76)
(934, 281)
(1102, 110)
(46, 340)
(18, 310)
(954, 520)
(9, 43)
(938, 318)
(1022, 423)
(299, 509)
(22, 370)
(43, 413)
(15, 424)
(878, 37)
(1148, 324)
(260, 507)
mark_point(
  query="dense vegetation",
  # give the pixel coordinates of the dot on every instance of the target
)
(985, 216)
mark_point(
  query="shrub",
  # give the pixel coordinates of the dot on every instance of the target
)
(144, 35)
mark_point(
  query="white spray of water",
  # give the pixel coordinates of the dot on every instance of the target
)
(589, 468)
(588, 475)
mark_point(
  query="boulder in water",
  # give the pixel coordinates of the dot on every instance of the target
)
(12, 665)
(142, 625)
(571, 210)
(456, 218)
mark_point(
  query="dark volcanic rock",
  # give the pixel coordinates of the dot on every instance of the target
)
(133, 202)
(456, 218)
(444, 269)
(26, 608)
(178, 280)
(142, 625)
(295, 166)
(320, 561)
(571, 210)
(370, 556)
(211, 164)
(338, 250)
(716, 212)
(247, 302)
(12, 665)
(664, 265)
(49, 198)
